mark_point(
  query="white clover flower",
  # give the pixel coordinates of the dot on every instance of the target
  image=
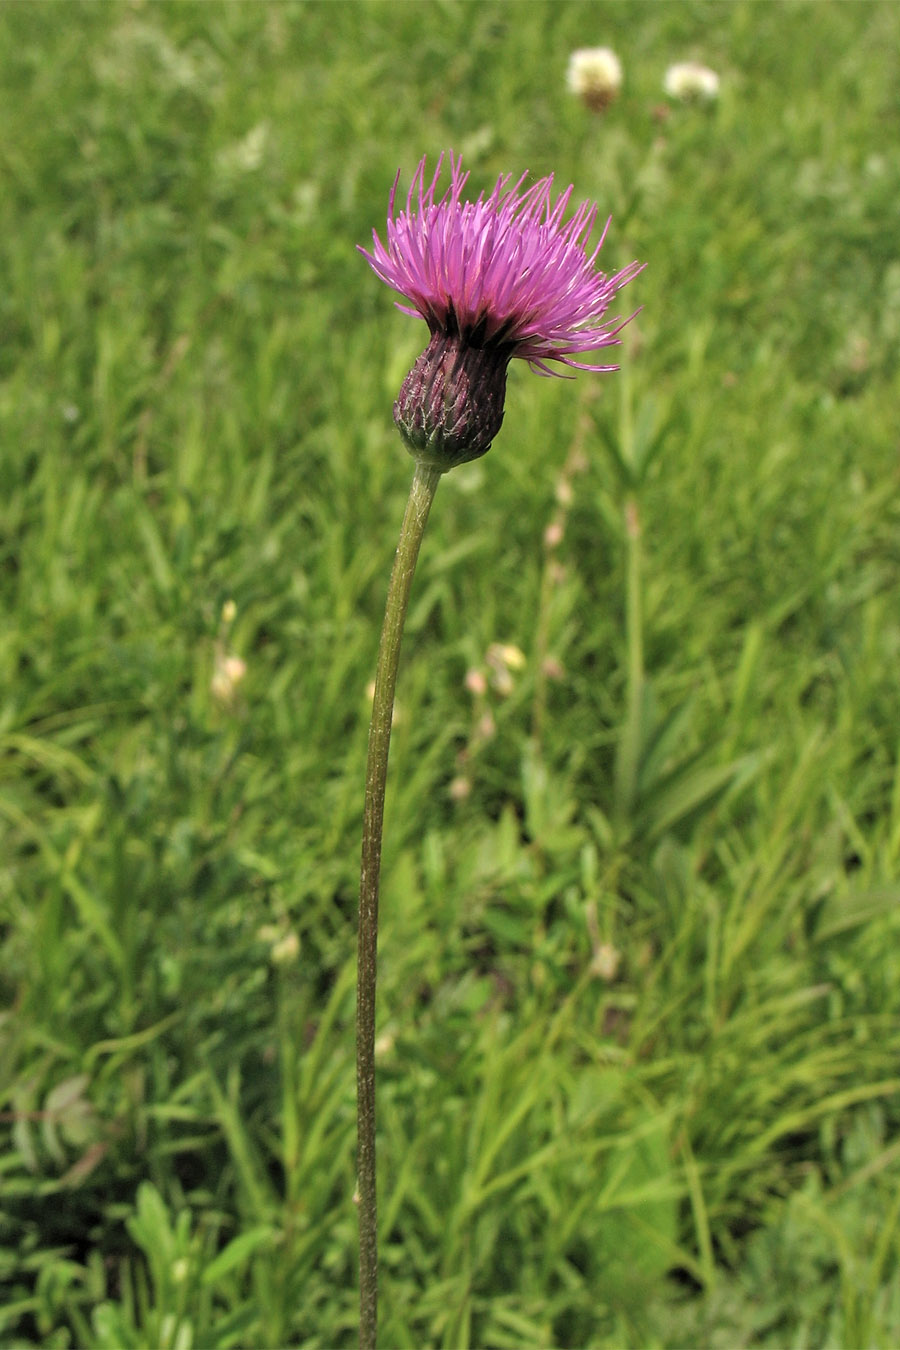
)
(595, 76)
(689, 79)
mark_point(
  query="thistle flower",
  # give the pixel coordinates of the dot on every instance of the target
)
(501, 277)
(595, 76)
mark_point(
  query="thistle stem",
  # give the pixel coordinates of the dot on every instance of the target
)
(421, 495)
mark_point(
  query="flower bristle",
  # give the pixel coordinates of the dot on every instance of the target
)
(504, 269)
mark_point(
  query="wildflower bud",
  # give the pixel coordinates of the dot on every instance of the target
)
(450, 406)
(513, 656)
(384, 1044)
(606, 961)
(228, 673)
(554, 534)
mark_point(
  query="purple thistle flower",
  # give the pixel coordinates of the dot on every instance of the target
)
(497, 278)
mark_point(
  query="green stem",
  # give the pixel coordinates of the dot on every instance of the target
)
(632, 734)
(633, 604)
(421, 495)
(541, 647)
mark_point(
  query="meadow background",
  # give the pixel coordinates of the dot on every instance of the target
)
(640, 971)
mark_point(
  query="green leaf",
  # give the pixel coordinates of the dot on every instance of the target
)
(238, 1251)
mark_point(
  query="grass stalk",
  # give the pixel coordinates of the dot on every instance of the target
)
(630, 749)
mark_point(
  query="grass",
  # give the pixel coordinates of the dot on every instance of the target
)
(638, 989)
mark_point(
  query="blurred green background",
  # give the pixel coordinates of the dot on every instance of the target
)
(640, 975)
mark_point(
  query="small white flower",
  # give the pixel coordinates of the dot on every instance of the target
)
(476, 683)
(689, 79)
(234, 669)
(227, 675)
(565, 493)
(605, 962)
(384, 1044)
(554, 534)
(460, 788)
(502, 658)
(513, 656)
(595, 75)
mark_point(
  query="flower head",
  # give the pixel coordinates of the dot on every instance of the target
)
(595, 75)
(689, 79)
(501, 277)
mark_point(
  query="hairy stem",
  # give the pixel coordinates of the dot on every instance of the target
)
(421, 495)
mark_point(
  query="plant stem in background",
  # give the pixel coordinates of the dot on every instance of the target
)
(576, 463)
(424, 485)
(633, 604)
(630, 746)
